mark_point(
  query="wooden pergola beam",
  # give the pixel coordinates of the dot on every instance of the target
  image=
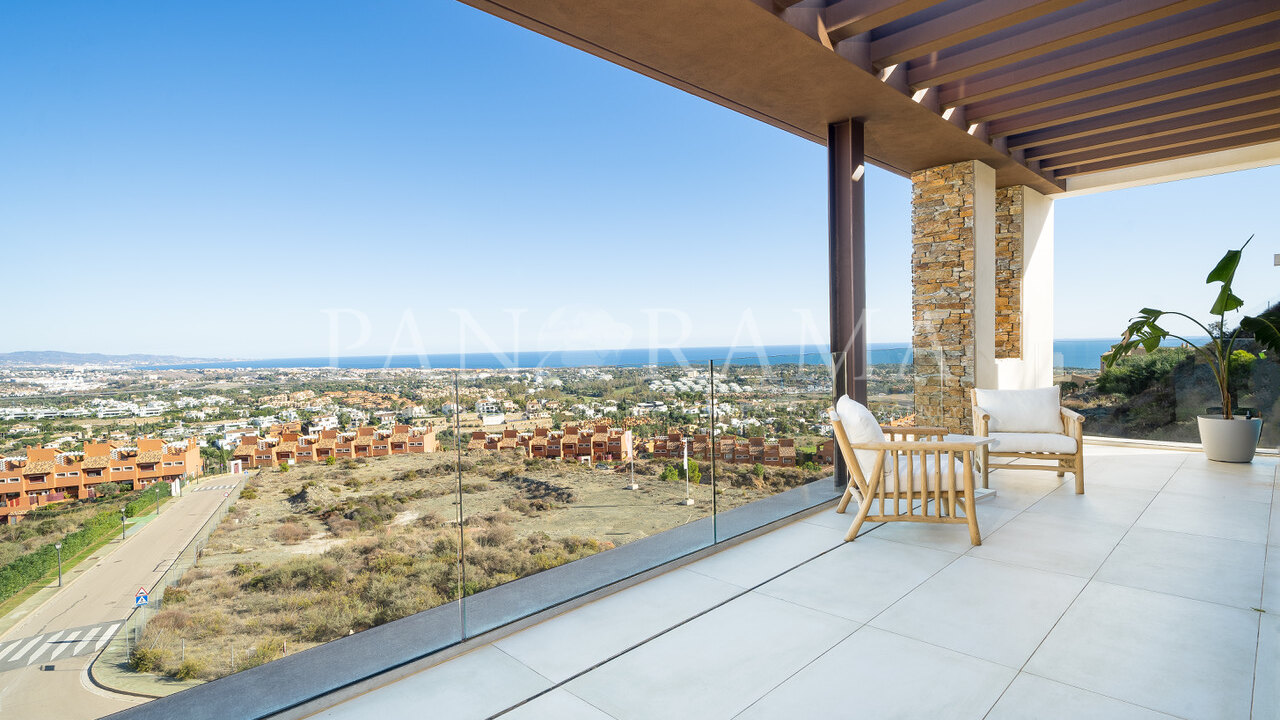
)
(968, 23)
(1238, 141)
(1179, 31)
(846, 18)
(1172, 140)
(1220, 76)
(1221, 98)
(1173, 63)
(1095, 141)
(1088, 22)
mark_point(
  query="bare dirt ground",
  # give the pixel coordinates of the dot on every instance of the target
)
(319, 552)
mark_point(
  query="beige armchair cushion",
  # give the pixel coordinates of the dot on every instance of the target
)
(1027, 442)
(1022, 411)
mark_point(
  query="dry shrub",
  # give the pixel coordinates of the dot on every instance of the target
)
(341, 526)
(496, 536)
(290, 533)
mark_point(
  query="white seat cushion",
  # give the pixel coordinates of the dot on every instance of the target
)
(861, 427)
(1023, 411)
(1033, 442)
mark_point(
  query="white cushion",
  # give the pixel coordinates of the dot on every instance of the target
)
(861, 427)
(1033, 442)
(1027, 411)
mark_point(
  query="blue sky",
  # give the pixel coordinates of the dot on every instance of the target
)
(276, 179)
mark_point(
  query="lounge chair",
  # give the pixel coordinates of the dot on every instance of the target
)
(913, 474)
(1029, 425)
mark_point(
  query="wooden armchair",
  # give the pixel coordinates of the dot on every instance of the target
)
(912, 474)
(1029, 425)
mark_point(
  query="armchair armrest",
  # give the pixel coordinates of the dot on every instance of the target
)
(1073, 423)
(981, 418)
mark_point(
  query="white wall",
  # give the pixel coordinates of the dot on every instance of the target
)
(984, 275)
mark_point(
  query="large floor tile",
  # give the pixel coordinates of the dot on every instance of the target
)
(475, 685)
(1185, 657)
(558, 704)
(570, 643)
(1262, 466)
(877, 674)
(1128, 473)
(1266, 686)
(838, 521)
(1105, 504)
(1271, 581)
(1214, 484)
(860, 579)
(990, 610)
(1230, 519)
(1194, 566)
(716, 665)
(1031, 697)
(1020, 490)
(1051, 542)
(944, 536)
(759, 559)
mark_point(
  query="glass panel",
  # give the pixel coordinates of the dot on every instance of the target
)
(773, 437)
(565, 463)
(357, 529)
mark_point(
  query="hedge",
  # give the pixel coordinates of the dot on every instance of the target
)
(29, 568)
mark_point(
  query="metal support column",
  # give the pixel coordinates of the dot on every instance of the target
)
(846, 220)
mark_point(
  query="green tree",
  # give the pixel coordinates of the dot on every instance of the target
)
(757, 470)
(695, 475)
(669, 474)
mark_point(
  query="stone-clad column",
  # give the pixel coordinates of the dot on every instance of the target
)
(953, 290)
(1009, 216)
(1024, 288)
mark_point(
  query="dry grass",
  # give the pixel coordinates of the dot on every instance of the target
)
(322, 552)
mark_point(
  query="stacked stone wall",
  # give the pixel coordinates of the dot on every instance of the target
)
(1009, 226)
(942, 294)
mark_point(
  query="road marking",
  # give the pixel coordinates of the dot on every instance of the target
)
(24, 650)
(10, 649)
(62, 646)
(106, 636)
(48, 643)
(85, 641)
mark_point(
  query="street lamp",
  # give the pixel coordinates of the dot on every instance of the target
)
(58, 547)
(122, 527)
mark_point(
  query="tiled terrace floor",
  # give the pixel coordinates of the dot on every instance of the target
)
(1155, 594)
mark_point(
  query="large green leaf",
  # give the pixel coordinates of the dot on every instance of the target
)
(1225, 272)
(1263, 331)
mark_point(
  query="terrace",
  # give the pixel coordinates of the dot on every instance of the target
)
(1154, 594)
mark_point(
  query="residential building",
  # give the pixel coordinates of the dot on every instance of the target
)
(770, 453)
(597, 443)
(45, 475)
(291, 446)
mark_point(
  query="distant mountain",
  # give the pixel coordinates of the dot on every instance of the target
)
(57, 357)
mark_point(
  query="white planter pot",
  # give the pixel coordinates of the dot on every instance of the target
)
(1231, 440)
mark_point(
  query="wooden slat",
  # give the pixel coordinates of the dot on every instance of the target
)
(847, 18)
(1240, 72)
(1084, 24)
(1143, 41)
(1190, 137)
(967, 23)
(1166, 65)
(1221, 98)
(1238, 141)
(1096, 141)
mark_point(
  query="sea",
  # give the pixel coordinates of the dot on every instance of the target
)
(1069, 353)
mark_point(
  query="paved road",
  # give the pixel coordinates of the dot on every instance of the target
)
(99, 597)
(48, 647)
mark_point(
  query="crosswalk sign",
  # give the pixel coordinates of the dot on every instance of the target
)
(140, 599)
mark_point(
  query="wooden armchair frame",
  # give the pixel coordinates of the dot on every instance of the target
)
(1072, 426)
(907, 449)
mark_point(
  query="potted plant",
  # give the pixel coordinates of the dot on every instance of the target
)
(1226, 438)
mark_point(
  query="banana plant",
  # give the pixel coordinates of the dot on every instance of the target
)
(1146, 331)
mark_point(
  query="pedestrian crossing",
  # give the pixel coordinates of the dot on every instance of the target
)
(61, 644)
(213, 487)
